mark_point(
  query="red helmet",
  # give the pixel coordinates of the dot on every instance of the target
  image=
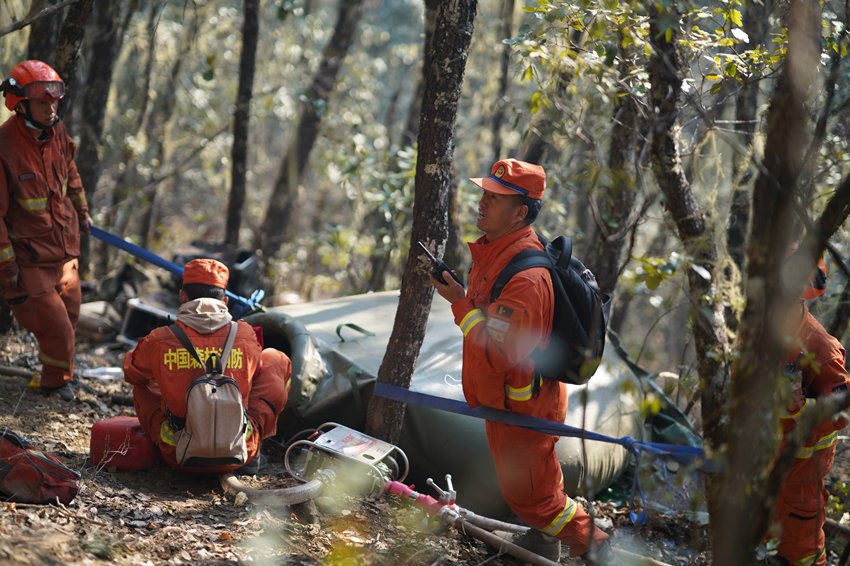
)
(32, 80)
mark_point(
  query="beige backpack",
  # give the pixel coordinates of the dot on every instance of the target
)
(214, 429)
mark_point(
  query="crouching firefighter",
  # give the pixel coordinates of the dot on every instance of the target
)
(204, 389)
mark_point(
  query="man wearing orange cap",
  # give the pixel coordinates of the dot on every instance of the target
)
(498, 370)
(161, 369)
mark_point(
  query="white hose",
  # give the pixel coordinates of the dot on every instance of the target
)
(503, 545)
(281, 496)
(490, 524)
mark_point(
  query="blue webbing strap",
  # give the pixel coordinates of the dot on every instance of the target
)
(245, 305)
(680, 453)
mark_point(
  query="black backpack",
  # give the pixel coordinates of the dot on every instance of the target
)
(581, 312)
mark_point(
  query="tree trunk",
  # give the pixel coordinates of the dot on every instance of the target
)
(614, 224)
(445, 61)
(107, 36)
(276, 225)
(745, 502)
(160, 113)
(67, 54)
(746, 103)
(44, 33)
(504, 79)
(695, 229)
(241, 119)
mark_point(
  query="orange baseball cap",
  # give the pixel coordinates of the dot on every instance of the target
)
(512, 177)
(206, 272)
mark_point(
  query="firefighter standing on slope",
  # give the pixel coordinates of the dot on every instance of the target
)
(815, 361)
(43, 209)
(498, 370)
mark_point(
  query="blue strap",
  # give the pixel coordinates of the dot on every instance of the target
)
(244, 305)
(682, 454)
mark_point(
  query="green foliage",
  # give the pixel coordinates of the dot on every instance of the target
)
(655, 271)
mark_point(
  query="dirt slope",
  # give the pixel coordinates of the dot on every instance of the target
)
(157, 517)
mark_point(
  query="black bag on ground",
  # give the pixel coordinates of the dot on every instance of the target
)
(581, 312)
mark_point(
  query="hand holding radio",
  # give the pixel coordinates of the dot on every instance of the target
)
(438, 266)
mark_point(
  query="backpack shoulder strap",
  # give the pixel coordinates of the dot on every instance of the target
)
(526, 259)
(228, 344)
(187, 343)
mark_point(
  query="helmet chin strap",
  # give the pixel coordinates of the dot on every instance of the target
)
(31, 121)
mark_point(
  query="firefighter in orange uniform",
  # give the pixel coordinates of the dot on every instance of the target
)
(161, 374)
(43, 208)
(815, 359)
(498, 370)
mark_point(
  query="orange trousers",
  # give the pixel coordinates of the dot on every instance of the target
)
(269, 392)
(800, 510)
(47, 303)
(532, 483)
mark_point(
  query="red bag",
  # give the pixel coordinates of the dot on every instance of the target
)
(28, 475)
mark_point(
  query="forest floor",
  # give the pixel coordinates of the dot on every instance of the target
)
(157, 516)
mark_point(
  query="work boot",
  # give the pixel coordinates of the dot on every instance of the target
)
(602, 555)
(64, 392)
(540, 543)
(253, 467)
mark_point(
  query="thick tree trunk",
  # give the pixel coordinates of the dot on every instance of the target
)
(695, 229)
(107, 35)
(67, 54)
(276, 225)
(44, 33)
(445, 62)
(241, 119)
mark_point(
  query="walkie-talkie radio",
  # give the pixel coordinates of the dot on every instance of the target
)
(438, 266)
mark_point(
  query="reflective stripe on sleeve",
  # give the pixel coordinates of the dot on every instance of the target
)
(519, 394)
(472, 318)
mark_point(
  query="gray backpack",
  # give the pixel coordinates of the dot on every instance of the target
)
(213, 431)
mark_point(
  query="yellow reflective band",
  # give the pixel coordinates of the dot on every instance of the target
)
(472, 318)
(822, 444)
(809, 560)
(166, 434)
(563, 518)
(794, 415)
(521, 394)
(7, 254)
(47, 360)
(33, 203)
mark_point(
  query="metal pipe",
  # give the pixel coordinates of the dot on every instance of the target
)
(501, 544)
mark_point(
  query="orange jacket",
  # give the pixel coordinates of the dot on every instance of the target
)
(500, 337)
(160, 359)
(40, 196)
(821, 360)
